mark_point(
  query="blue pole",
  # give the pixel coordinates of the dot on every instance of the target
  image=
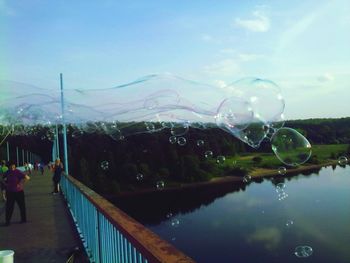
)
(17, 155)
(8, 151)
(27, 156)
(23, 157)
(57, 143)
(64, 128)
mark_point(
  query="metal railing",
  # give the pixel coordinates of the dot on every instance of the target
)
(111, 236)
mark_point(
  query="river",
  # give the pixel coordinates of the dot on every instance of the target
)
(263, 221)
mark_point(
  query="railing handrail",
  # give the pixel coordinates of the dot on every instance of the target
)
(148, 243)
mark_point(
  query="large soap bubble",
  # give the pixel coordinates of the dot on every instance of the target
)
(250, 109)
(290, 147)
(264, 96)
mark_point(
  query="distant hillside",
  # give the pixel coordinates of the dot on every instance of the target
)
(323, 131)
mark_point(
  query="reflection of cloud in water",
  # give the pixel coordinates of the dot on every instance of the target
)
(269, 237)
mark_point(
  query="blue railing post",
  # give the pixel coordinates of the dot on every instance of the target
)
(17, 156)
(8, 151)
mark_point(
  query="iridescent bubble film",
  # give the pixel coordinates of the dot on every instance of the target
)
(250, 109)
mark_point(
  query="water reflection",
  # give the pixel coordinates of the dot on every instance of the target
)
(245, 222)
(152, 208)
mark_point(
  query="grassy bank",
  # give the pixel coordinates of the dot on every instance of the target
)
(256, 165)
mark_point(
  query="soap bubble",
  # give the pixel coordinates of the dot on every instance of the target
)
(282, 195)
(282, 170)
(104, 165)
(303, 251)
(169, 215)
(280, 187)
(247, 178)
(290, 147)
(343, 160)
(250, 109)
(150, 126)
(181, 141)
(208, 154)
(139, 177)
(234, 115)
(220, 159)
(77, 133)
(179, 129)
(200, 143)
(264, 96)
(160, 185)
(172, 139)
(289, 223)
(175, 222)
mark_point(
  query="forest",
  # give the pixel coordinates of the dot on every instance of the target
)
(141, 160)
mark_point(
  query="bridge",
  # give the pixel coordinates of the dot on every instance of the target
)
(79, 218)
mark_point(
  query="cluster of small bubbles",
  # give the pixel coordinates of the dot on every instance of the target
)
(160, 185)
(172, 139)
(220, 159)
(179, 129)
(175, 222)
(139, 177)
(289, 223)
(290, 147)
(247, 178)
(342, 160)
(50, 135)
(303, 251)
(77, 133)
(181, 141)
(282, 170)
(208, 154)
(104, 165)
(281, 194)
(200, 143)
(280, 187)
(169, 215)
(165, 124)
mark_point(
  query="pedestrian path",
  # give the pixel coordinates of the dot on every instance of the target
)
(49, 234)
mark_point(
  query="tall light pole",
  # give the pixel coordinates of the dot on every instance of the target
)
(64, 128)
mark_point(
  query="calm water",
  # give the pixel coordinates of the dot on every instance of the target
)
(249, 223)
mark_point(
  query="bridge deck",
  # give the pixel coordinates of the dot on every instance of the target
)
(49, 233)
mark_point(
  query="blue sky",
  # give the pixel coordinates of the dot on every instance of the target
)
(304, 46)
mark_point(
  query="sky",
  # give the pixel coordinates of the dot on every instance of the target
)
(303, 46)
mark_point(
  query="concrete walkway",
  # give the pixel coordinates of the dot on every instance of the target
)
(49, 235)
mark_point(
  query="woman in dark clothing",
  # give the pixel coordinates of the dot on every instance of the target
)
(13, 180)
(57, 171)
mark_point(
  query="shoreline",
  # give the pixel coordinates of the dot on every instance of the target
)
(256, 173)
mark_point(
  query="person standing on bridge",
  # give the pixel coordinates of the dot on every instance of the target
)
(57, 172)
(13, 181)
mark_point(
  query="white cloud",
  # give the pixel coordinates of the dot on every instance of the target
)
(226, 67)
(259, 23)
(326, 77)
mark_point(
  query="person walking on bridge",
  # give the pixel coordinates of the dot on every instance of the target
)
(13, 181)
(57, 172)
